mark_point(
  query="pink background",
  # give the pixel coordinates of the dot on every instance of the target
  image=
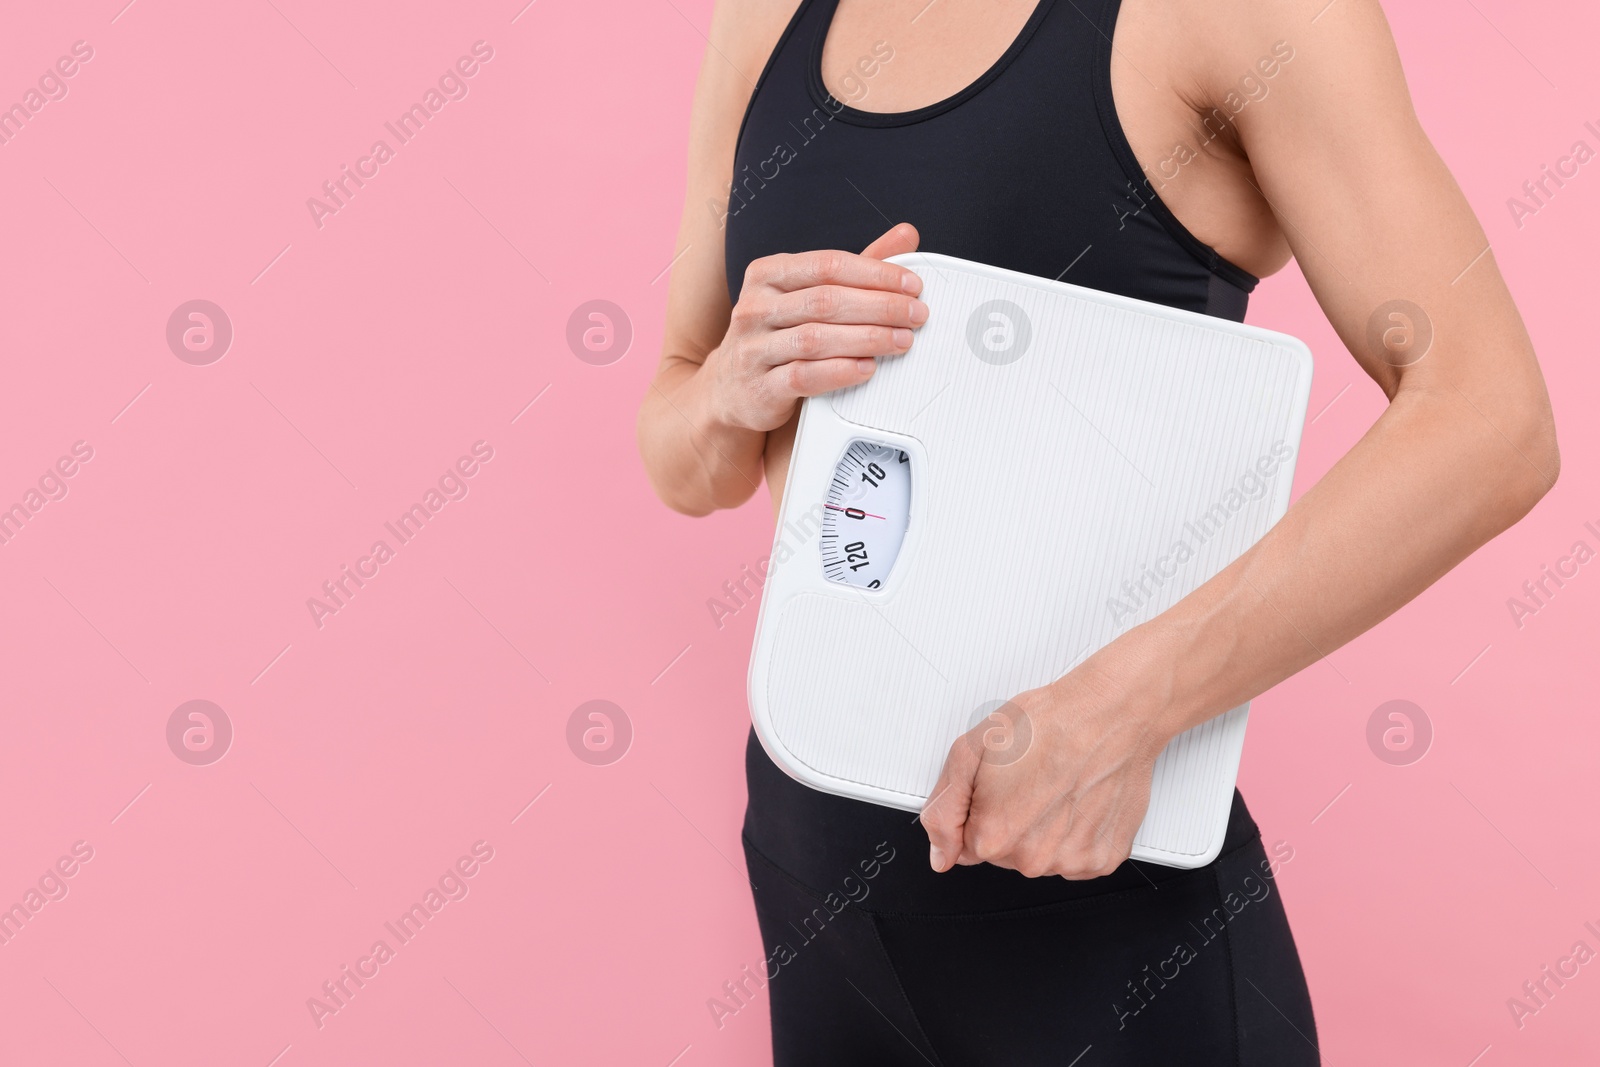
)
(425, 716)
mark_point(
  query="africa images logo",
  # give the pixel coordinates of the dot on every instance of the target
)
(999, 332)
(1140, 592)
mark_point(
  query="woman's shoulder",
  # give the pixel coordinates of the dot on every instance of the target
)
(746, 31)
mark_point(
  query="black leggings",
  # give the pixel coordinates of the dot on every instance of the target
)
(872, 958)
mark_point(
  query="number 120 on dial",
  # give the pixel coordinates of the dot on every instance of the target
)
(864, 522)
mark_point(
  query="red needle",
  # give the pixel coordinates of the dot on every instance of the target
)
(868, 514)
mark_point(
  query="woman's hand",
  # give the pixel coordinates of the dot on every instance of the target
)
(1056, 781)
(811, 323)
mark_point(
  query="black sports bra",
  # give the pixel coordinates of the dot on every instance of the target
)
(1027, 168)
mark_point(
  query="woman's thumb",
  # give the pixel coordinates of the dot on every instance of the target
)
(901, 237)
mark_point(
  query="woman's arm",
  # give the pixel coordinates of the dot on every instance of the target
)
(696, 462)
(1465, 448)
(805, 324)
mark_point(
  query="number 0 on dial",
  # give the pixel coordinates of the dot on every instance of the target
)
(868, 505)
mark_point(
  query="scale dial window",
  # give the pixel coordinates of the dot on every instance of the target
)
(866, 512)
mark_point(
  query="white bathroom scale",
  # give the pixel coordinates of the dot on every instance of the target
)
(1047, 467)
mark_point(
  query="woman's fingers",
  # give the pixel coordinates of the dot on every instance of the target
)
(803, 270)
(812, 322)
(899, 238)
(945, 815)
(826, 340)
(842, 304)
(1043, 787)
(813, 377)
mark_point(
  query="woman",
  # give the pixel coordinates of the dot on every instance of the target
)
(1169, 150)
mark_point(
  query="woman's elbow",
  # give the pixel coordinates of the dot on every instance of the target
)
(674, 496)
(686, 488)
(668, 487)
(1532, 434)
(1538, 433)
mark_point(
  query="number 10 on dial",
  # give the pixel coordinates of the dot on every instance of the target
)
(864, 522)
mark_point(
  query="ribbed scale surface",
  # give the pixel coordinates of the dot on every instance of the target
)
(1045, 484)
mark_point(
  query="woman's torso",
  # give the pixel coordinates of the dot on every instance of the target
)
(1026, 168)
(1022, 160)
